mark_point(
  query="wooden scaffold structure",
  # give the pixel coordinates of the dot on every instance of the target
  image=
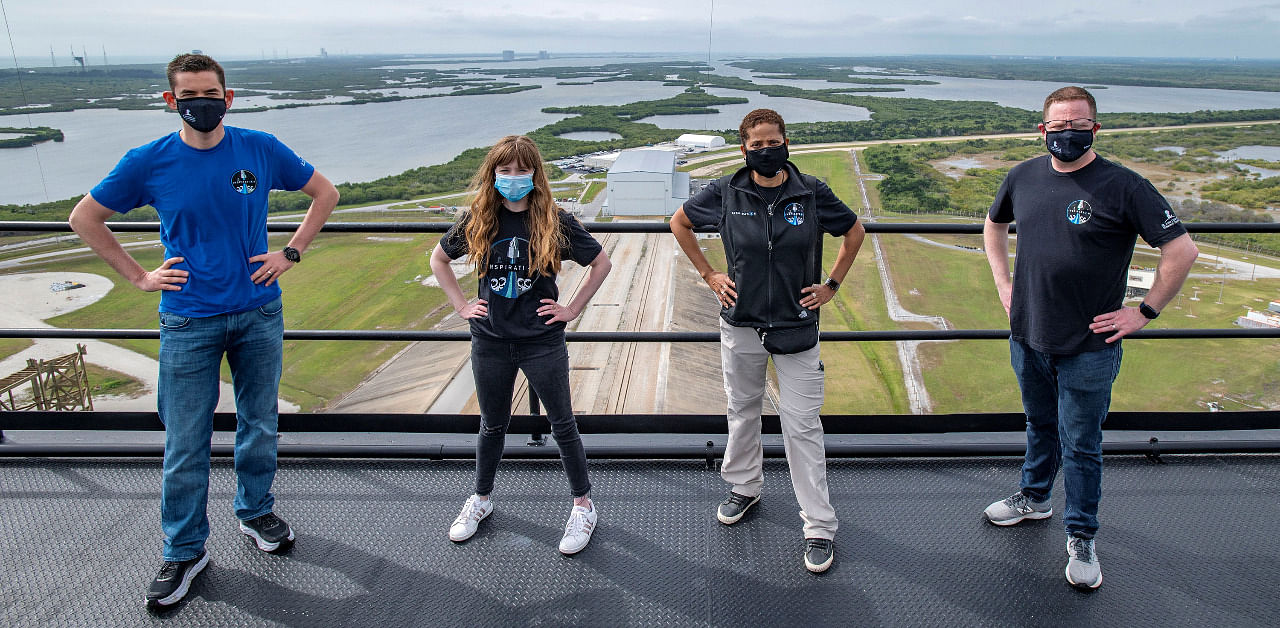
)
(56, 384)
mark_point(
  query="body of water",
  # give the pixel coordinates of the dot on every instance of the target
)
(366, 142)
(1031, 94)
(591, 136)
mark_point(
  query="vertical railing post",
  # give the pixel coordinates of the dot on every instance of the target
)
(536, 438)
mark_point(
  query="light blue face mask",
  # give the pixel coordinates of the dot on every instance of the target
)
(513, 187)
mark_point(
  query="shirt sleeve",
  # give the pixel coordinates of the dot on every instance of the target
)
(125, 187)
(705, 208)
(292, 171)
(1002, 207)
(454, 241)
(1151, 215)
(833, 215)
(582, 246)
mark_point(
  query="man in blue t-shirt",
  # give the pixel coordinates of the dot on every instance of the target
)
(1078, 218)
(218, 295)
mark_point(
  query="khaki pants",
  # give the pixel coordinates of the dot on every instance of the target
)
(800, 382)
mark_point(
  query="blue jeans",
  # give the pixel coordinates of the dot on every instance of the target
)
(546, 366)
(191, 351)
(1066, 398)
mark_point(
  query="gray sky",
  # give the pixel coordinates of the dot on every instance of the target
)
(1163, 28)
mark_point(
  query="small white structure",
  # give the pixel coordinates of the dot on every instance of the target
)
(1274, 306)
(599, 161)
(1140, 282)
(645, 183)
(1257, 319)
(689, 140)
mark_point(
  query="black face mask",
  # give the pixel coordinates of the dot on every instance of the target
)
(203, 114)
(1068, 144)
(766, 162)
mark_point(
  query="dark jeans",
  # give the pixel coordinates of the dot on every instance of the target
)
(1066, 398)
(546, 366)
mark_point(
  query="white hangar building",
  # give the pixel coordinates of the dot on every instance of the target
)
(645, 183)
(689, 140)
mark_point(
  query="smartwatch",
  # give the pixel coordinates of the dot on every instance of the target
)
(292, 254)
(1148, 311)
(831, 283)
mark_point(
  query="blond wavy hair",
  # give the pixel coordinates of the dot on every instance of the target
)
(545, 238)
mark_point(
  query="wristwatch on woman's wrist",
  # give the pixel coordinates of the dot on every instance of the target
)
(831, 283)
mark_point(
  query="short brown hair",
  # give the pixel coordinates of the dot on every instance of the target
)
(758, 117)
(195, 63)
(1068, 94)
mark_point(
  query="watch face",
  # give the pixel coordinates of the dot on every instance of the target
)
(292, 254)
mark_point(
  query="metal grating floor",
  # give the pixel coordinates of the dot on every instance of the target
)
(1192, 542)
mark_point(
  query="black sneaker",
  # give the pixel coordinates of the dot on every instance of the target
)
(268, 532)
(819, 554)
(174, 580)
(732, 509)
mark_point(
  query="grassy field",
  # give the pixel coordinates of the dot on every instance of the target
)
(347, 281)
(12, 346)
(104, 381)
(1156, 375)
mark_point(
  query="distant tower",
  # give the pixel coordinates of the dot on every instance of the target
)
(104, 55)
(52, 59)
(508, 55)
(543, 54)
(84, 55)
(75, 59)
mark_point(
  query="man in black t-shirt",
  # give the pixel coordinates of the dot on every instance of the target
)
(1078, 219)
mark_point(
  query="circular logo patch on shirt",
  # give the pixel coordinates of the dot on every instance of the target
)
(244, 182)
(794, 213)
(1079, 212)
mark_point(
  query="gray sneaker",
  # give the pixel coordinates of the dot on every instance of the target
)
(1015, 508)
(1084, 572)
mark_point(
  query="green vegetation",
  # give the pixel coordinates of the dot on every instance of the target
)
(1157, 374)
(382, 291)
(1245, 192)
(591, 192)
(104, 381)
(29, 136)
(13, 346)
(351, 80)
(1257, 75)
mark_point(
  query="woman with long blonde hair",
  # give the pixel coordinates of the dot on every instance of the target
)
(516, 236)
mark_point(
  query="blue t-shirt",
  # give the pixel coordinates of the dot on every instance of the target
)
(213, 212)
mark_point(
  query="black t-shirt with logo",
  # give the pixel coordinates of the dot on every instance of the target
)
(1076, 232)
(512, 294)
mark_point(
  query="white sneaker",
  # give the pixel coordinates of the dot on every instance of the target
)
(473, 512)
(577, 532)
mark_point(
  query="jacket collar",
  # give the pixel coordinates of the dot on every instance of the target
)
(793, 186)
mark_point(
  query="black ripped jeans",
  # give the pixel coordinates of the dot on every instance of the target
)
(546, 365)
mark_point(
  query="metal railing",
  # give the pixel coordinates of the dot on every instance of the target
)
(684, 424)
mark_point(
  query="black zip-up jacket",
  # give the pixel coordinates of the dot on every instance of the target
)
(770, 245)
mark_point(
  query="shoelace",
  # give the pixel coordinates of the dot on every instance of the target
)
(822, 544)
(1080, 549)
(738, 500)
(470, 511)
(168, 570)
(267, 522)
(1020, 503)
(577, 523)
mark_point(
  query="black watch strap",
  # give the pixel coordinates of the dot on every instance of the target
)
(1148, 311)
(831, 283)
(292, 254)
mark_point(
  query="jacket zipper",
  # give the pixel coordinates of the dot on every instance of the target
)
(768, 230)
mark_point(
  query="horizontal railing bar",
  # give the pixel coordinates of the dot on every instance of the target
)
(633, 336)
(602, 227)
(649, 452)
(644, 423)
